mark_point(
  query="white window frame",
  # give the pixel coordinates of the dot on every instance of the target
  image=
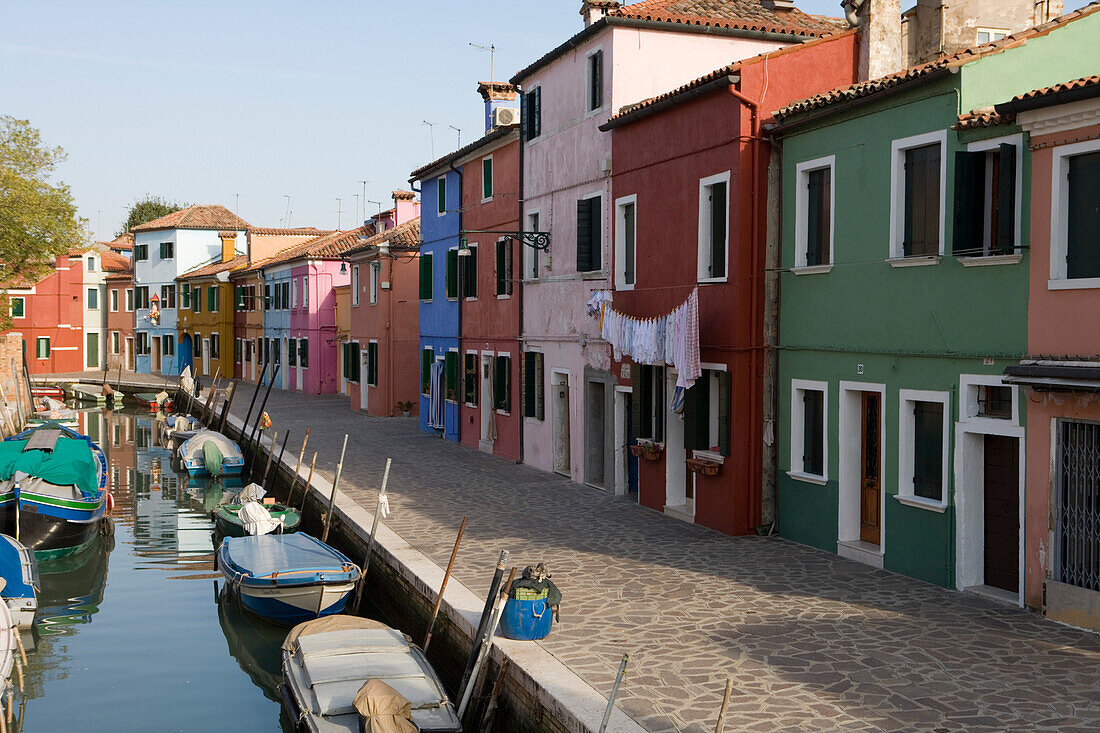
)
(116, 342)
(492, 181)
(710, 371)
(11, 300)
(620, 241)
(532, 258)
(305, 291)
(480, 396)
(798, 419)
(589, 111)
(441, 181)
(88, 302)
(129, 300)
(704, 227)
(113, 297)
(355, 286)
(801, 210)
(372, 282)
(1002, 32)
(37, 347)
(897, 195)
(906, 430)
(994, 144)
(293, 292)
(1059, 217)
(91, 263)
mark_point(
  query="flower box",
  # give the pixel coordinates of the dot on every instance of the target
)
(704, 467)
(649, 452)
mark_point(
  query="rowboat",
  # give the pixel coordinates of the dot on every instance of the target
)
(149, 399)
(280, 518)
(53, 392)
(340, 669)
(180, 427)
(53, 489)
(209, 453)
(88, 393)
(19, 572)
(287, 578)
(68, 418)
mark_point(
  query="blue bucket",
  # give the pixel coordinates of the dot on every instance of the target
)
(526, 620)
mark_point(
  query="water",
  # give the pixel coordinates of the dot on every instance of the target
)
(129, 636)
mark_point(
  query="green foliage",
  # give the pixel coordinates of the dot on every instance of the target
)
(38, 218)
(147, 209)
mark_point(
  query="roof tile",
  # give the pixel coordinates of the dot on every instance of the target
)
(209, 216)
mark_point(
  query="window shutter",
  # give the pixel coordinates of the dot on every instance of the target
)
(452, 273)
(725, 395)
(910, 217)
(469, 276)
(501, 386)
(501, 277)
(507, 245)
(643, 396)
(524, 116)
(538, 111)
(584, 236)
(450, 370)
(303, 352)
(697, 414)
(966, 235)
(718, 230)
(1006, 200)
(1082, 254)
(928, 450)
(210, 307)
(540, 388)
(597, 80)
(812, 415)
(425, 370)
(486, 178)
(372, 362)
(818, 212)
(527, 385)
(425, 277)
(630, 243)
(637, 407)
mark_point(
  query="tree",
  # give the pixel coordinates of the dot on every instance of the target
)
(147, 209)
(38, 218)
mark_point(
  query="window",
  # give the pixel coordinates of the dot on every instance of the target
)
(213, 298)
(114, 300)
(372, 281)
(707, 413)
(533, 255)
(504, 267)
(1076, 507)
(713, 226)
(486, 178)
(995, 401)
(269, 302)
(93, 299)
(450, 372)
(91, 264)
(116, 342)
(814, 213)
(17, 307)
(1077, 237)
(168, 345)
(469, 272)
(426, 359)
(452, 273)
(987, 35)
(292, 352)
(167, 250)
(922, 471)
(647, 413)
(352, 367)
(502, 383)
(196, 299)
(594, 81)
(372, 363)
(355, 285)
(42, 347)
(533, 385)
(197, 341)
(141, 294)
(129, 299)
(625, 240)
(284, 288)
(303, 353)
(985, 200)
(185, 296)
(305, 292)
(919, 168)
(215, 346)
(589, 242)
(425, 277)
(91, 351)
(167, 296)
(142, 345)
(238, 350)
(809, 454)
(141, 252)
(532, 113)
(470, 378)
(294, 293)
(441, 195)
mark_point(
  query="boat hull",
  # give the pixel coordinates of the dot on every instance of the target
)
(229, 525)
(293, 604)
(50, 531)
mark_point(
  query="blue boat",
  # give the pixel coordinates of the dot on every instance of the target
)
(19, 571)
(287, 578)
(209, 453)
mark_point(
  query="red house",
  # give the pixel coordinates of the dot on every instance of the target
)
(49, 316)
(691, 198)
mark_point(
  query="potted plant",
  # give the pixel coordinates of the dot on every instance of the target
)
(703, 466)
(647, 449)
(405, 406)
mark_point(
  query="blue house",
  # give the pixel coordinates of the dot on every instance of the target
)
(440, 304)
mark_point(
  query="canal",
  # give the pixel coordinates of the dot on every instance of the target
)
(129, 635)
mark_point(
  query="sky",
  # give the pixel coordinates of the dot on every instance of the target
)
(245, 103)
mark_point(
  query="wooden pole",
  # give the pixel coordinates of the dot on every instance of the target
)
(721, 724)
(486, 644)
(259, 417)
(309, 481)
(252, 404)
(228, 404)
(209, 397)
(614, 693)
(294, 479)
(486, 615)
(283, 450)
(491, 707)
(7, 415)
(373, 533)
(270, 455)
(443, 587)
(335, 483)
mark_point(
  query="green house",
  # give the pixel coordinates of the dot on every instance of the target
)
(903, 296)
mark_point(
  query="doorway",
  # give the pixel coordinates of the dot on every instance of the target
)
(1001, 512)
(281, 357)
(154, 354)
(301, 370)
(129, 353)
(560, 393)
(486, 406)
(870, 480)
(675, 458)
(206, 356)
(594, 432)
(364, 382)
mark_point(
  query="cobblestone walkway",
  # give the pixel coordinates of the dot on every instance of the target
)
(812, 641)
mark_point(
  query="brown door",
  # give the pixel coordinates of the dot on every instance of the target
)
(1002, 513)
(870, 491)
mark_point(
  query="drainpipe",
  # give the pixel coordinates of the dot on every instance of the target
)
(459, 362)
(522, 278)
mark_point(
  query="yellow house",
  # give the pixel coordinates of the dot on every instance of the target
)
(204, 314)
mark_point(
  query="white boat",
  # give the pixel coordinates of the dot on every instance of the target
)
(88, 393)
(209, 453)
(19, 573)
(327, 662)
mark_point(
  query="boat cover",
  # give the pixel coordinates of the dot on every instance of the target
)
(256, 519)
(194, 446)
(325, 624)
(383, 709)
(252, 492)
(212, 457)
(71, 462)
(295, 557)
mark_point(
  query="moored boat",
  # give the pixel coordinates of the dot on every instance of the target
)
(335, 667)
(287, 578)
(209, 453)
(241, 520)
(67, 418)
(19, 571)
(88, 393)
(53, 489)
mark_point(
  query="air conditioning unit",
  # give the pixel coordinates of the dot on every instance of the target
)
(505, 116)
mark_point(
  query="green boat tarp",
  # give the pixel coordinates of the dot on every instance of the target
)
(212, 457)
(70, 463)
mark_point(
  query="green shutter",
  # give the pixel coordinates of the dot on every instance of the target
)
(642, 400)
(469, 379)
(303, 352)
(502, 383)
(725, 396)
(718, 230)
(966, 231)
(452, 273)
(818, 183)
(469, 275)
(450, 371)
(425, 277)
(1006, 200)
(196, 300)
(928, 450)
(697, 414)
(1082, 251)
(426, 358)
(486, 178)
(528, 384)
(585, 243)
(372, 363)
(211, 298)
(813, 410)
(441, 194)
(501, 248)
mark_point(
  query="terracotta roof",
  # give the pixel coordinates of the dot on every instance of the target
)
(931, 69)
(114, 262)
(735, 17)
(124, 238)
(493, 136)
(328, 246)
(211, 216)
(403, 195)
(1069, 91)
(279, 230)
(213, 268)
(402, 237)
(985, 117)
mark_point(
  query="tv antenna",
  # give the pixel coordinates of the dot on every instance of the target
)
(431, 134)
(492, 49)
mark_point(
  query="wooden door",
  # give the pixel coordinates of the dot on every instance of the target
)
(870, 484)
(1002, 513)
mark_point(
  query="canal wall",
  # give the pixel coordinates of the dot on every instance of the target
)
(540, 693)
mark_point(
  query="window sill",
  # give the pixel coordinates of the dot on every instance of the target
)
(1081, 283)
(712, 280)
(499, 411)
(920, 503)
(990, 260)
(708, 455)
(808, 478)
(812, 269)
(503, 296)
(487, 200)
(915, 261)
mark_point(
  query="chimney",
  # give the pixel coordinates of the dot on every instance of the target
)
(497, 94)
(879, 23)
(405, 207)
(593, 10)
(229, 245)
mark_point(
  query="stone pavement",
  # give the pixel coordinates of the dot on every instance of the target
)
(812, 641)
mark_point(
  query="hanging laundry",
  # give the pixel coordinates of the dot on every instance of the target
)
(595, 302)
(435, 396)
